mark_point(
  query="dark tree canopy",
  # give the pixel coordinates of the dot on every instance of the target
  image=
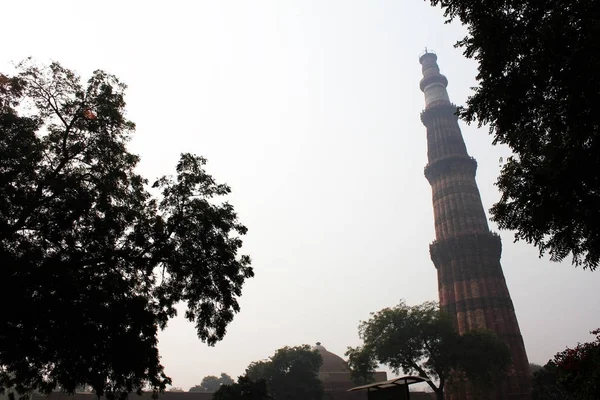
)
(212, 383)
(546, 385)
(93, 262)
(579, 369)
(362, 364)
(539, 90)
(421, 340)
(244, 389)
(225, 379)
(573, 374)
(533, 367)
(290, 374)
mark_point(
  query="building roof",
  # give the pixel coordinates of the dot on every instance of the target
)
(401, 381)
(331, 362)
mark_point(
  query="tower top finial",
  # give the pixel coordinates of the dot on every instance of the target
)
(427, 53)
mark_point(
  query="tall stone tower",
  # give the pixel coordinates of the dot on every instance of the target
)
(465, 253)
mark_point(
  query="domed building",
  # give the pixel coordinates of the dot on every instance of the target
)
(336, 378)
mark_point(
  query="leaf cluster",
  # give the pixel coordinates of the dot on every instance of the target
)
(578, 369)
(92, 262)
(243, 389)
(362, 364)
(538, 90)
(421, 340)
(212, 383)
(290, 374)
(546, 385)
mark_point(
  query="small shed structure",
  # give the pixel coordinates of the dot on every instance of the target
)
(394, 389)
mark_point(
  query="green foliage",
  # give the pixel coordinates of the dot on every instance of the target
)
(362, 364)
(573, 374)
(482, 358)
(546, 385)
(212, 383)
(290, 374)
(579, 369)
(533, 367)
(243, 389)
(95, 262)
(421, 340)
(225, 379)
(538, 90)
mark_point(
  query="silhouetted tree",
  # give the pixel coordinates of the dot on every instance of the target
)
(243, 389)
(573, 374)
(225, 379)
(422, 340)
(533, 367)
(290, 374)
(362, 364)
(579, 369)
(92, 261)
(539, 90)
(211, 383)
(545, 384)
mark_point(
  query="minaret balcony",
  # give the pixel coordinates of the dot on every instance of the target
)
(468, 245)
(436, 78)
(453, 164)
(440, 110)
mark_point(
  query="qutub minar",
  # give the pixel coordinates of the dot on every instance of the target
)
(465, 253)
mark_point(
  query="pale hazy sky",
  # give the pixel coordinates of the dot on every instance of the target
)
(309, 109)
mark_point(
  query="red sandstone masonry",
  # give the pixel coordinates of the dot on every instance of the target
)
(470, 279)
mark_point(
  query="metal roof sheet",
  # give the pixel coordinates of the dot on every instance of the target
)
(401, 381)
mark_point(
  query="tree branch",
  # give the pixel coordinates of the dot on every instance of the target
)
(422, 373)
(26, 213)
(49, 97)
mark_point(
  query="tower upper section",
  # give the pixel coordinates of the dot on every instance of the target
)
(450, 170)
(433, 83)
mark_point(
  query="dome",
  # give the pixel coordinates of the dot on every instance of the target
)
(331, 362)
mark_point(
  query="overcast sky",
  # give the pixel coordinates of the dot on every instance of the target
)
(309, 109)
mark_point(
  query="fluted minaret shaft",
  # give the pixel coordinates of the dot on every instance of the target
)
(466, 254)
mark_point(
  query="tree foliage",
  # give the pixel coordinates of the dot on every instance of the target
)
(546, 385)
(482, 358)
(538, 90)
(94, 257)
(573, 374)
(579, 369)
(421, 340)
(362, 364)
(290, 374)
(533, 368)
(212, 383)
(243, 389)
(225, 379)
